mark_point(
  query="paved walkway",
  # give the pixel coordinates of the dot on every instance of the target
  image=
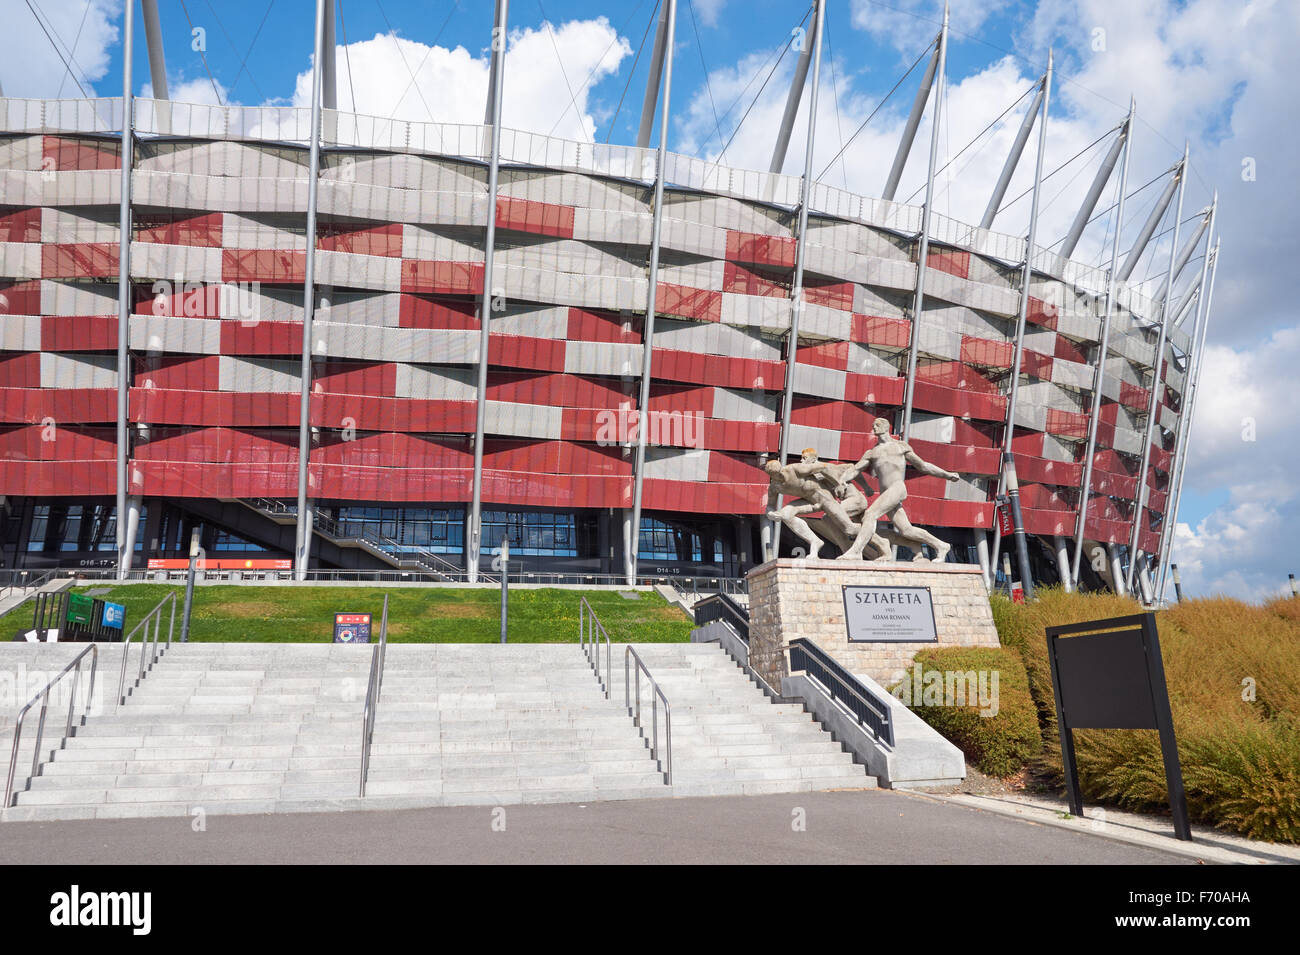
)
(872, 827)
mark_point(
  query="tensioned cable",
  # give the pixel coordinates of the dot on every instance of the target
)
(72, 50)
(591, 75)
(1057, 169)
(418, 91)
(778, 52)
(573, 99)
(243, 64)
(708, 86)
(752, 104)
(632, 72)
(66, 64)
(230, 40)
(835, 97)
(1107, 210)
(1062, 79)
(1097, 158)
(347, 56)
(973, 141)
(420, 66)
(203, 56)
(878, 108)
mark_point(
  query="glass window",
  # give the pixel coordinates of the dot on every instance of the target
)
(662, 541)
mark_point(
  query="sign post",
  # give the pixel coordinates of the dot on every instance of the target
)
(1109, 675)
(505, 585)
(189, 586)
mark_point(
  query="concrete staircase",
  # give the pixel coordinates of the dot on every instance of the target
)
(255, 728)
(728, 738)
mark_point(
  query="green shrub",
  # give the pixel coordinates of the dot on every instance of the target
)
(1233, 672)
(998, 739)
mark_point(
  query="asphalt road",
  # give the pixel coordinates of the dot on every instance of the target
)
(873, 827)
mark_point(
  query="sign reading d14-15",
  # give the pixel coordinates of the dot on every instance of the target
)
(889, 615)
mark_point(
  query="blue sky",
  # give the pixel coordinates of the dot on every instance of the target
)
(1219, 73)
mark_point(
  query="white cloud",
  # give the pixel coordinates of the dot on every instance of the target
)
(708, 11)
(547, 71)
(909, 24)
(1243, 439)
(30, 66)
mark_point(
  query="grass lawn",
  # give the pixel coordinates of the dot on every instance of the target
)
(259, 614)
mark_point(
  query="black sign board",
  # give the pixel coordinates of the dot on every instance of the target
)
(1109, 675)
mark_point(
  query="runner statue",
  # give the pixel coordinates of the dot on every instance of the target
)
(816, 483)
(887, 462)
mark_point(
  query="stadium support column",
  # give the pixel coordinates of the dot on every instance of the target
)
(1063, 562)
(633, 536)
(658, 55)
(1116, 570)
(796, 285)
(1099, 369)
(1013, 157)
(923, 247)
(302, 542)
(329, 77)
(125, 550)
(1007, 479)
(1084, 215)
(1180, 435)
(1149, 228)
(1189, 411)
(792, 100)
(475, 541)
(157, 65)
(1157, 382)
(918, 107)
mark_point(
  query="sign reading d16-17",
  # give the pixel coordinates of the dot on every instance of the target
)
(889, 615)
(352, 628)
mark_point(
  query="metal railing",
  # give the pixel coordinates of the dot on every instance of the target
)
(23, 582)
(44, 697)
(722, 607)
(870, 711)
(706, 585)
(373, 687)
(590, 630)
(154, 615)
(385, 548)
(667, 766)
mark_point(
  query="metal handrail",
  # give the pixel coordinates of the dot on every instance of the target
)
(870, 712)
(329, 527)
(722, 606)
(590, 630)
(374, 685)
(156, 616)
(658, 694)
(18, 581)
(44, 697)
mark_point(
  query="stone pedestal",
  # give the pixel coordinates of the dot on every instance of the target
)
(794, 598)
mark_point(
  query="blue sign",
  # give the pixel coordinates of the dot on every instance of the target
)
(352, 628)
(114, 615)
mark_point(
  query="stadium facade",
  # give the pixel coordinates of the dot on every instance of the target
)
(219, 202)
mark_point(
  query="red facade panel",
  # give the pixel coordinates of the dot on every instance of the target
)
(682, 302)
(64, 405)
(442, 278)
(885, 332)
(539, 218)
(772, 250)
(79, 260)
